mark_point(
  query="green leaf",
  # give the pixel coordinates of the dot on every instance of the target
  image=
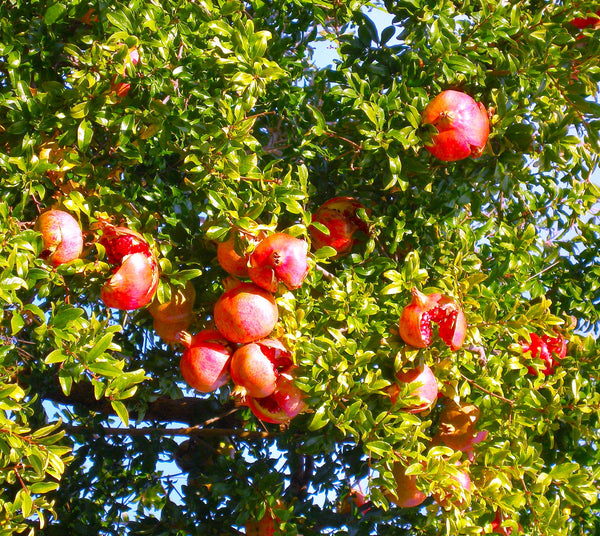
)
(121, 411)
(54, 12)
(84, 135)
(101, 345)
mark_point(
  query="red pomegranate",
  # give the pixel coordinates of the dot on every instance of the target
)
(121, 89)
(497, 527)
(462, 126)
(279, 258)
(586, 22)
(549, 349)
(256, 366)
(178, 309)
(205, 362)
(408, 494)
(245, 313)
(263, 527)
(281, 406)
(136, 278)
(457, 427)
(417, 316)
(61, 236)
(422, 386)
(354, 497)
(229, 259)
(339, 216)
(460, 491)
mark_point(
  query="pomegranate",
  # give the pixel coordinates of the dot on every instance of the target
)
(229, 259)
(461, 490)
(462, 126)
(169, 331)
(457, 427)
(339, 216)
(178, 309)
(121, 89)
(263, 527)
(407, 492)
(422, 386)
(549, 349)
(136, 279)
(586, 22)
(282, 405)
(61, 237)
(256, 366)
(497, 527)
(245, 313)
(354, 497)
(417, 316)
(205, 362)
(279, 258)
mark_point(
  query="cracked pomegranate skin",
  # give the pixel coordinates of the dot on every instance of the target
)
(246, 313)
(61, 236)
(462, 126)
(279, 258)
(280, 407)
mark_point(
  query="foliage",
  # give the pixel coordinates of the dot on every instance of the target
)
(228, 122)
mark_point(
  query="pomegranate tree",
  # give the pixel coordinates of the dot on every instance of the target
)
(204, 364)
(462, 126)
(279, 258)
(550, 350)
(421, 385)
(408, 494)
(245, 313)
(256, 366)
(61, 237)
(282, 405)
(338, 215)
(416, 319)
(135, 279)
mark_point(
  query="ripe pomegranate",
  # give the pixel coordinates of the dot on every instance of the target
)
(497, 527)
(282, 405)
(279, 258)
(204, 364)
(407, 492)
(461, 490)
(417, 316)
(549, 349)
(256, 366)
(245, 313)
(422, 386)
(585, 22)
(169, 331)
(263, 527)
(136, 279)
(61, 237)
(229, 259)
(354, 497)
(339, 216)
(462, 126)
(174, 315)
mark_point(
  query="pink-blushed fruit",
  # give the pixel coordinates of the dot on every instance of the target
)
(230, 260)
(339, 216)
(422, 388)
(245, 313)
(121, 89)
(462, 126)
(497, 527)
(551, 350)
(281, 406)
(586, 22)
(279, 258)
(416, 318)
(61, 237)
(256, 366)
(204, 364)
(462, 486)
(135, 280)
(408, 494)
(457, 427)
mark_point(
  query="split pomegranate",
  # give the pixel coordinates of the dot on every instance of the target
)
(204, 364)
(279, 258)
(457, 427)
(136, 277)
(245, 313)
(281, 406)
(256, 366)
(462, 126)
(549, 349)
(229, 259)
(339, 216)
(417, 316)
(408, 494)
(61, 237)
(422, 387)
